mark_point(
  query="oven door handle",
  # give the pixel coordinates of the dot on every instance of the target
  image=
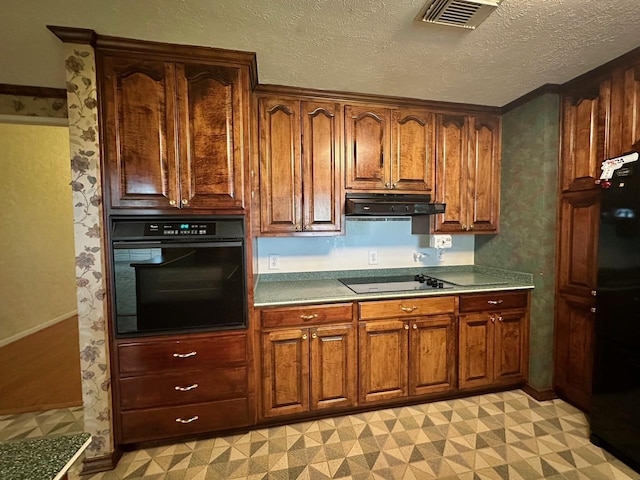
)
(157, 244)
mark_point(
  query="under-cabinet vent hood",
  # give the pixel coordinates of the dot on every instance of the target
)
(457, 13)
(391, 204)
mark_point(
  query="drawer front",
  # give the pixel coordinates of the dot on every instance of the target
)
(306, 315)
(407, 307)
(151, 391)
(170, 422)
(493, 301)
(173, 355)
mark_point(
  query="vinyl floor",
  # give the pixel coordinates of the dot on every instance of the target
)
(502, 436)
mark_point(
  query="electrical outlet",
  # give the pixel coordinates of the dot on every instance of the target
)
(274, 262)
(373, 257)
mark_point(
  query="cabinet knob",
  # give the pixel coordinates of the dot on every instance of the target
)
(184, 201)
(387, 185)
(172, 203)
(415, 327)
(492, 318)
(304, 336)
(309, 317)
(298, 228)
(593, 309)
(500, 319)
(464, 227)
(314, 335)
(408, 309)
(395, 185)
(187, 420)
(406, 326)
(593, 293)
(470, 227)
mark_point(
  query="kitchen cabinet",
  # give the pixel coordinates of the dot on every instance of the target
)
(300, 166)
(308, 359)
(389, 149)
(177, 386)
(174, 132)
(493, 340)
(468, 173)
(406, 348)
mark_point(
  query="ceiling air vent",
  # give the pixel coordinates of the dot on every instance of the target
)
(457, 13)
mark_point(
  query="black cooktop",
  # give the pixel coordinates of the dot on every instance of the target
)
(395, 283)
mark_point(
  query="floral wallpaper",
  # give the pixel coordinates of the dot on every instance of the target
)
(33, 106)
(87, 204)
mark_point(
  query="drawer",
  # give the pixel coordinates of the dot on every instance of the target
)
(170, 422)
(188, 354)
(306, 315)
(151, 391)
(493, 301)
(407, 307)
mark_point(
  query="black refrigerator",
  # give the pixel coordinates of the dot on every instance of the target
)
(615, 407)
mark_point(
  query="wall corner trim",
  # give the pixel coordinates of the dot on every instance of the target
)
(73, 35)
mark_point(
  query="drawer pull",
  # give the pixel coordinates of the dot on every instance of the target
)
(494, 302)
(309, 317)
(185, 355)
(187, 420)
(408, 309)
(186, 389)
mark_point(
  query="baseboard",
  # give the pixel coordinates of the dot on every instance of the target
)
(37, 328)
(40, 407)
(539, 395)
(102, 463)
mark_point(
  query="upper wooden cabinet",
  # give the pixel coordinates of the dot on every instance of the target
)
(174, 133)
(389, 149)
(468, 173)
(300, 166)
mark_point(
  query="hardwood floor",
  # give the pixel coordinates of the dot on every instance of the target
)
(41, 371)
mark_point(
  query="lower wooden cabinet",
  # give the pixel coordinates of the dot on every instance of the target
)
(311, 367)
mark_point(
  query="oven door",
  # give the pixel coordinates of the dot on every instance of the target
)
(169, 287)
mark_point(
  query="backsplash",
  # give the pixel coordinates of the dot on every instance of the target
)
(390, 240)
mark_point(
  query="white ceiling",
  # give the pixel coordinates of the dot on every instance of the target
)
(368, 46)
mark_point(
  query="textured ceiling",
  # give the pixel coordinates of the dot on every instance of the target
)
(368, 46)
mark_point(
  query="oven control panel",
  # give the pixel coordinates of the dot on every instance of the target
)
(179, 229)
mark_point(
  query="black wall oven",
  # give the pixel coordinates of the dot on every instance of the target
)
(177, 275)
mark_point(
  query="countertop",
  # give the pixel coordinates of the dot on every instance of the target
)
(46, 458)
(303, 288)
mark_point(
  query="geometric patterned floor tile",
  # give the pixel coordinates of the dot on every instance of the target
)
(498, 436)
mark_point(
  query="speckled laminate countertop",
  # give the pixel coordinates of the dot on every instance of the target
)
(303, 288)
(44, 458)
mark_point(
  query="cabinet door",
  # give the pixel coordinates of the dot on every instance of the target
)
(367, 148)
(322, 166)
(475, 350)
(333, 367)
(510, 362)
(573, 359)
(383, 360)
(451, 175)
(578, 242)
(432, 355)
(631, 110)
(484, 174)
(210, 122)
(285, 384)
(140, 143)
(280, 165)
(412, 150)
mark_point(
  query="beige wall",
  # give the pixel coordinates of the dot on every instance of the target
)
(37, 272)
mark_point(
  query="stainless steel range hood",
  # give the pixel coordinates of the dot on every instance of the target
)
(390, 204)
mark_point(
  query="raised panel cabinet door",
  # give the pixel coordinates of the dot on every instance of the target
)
(475, 350)
(280, 165)
(321, 166)
(579, 223)
(631, 110)
(432, 355)
(581, 153)
(452, 180)
(285, 381)
(484, 174)
(574, 344)
(413, 150)
(510, 362)
(383, 360)
(367, 147)
(333, 367)
(140, 143)
(210, 122)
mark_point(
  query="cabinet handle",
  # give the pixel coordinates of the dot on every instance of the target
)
(309, 317)
(184, 201)
(185, 355)
(415, 327)
(185, 389)
(593, 309)
(406, 326)
(172, 203)
(304, 336)
(187, 420)
(314, 335)
(494, 302)
(408, 309)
